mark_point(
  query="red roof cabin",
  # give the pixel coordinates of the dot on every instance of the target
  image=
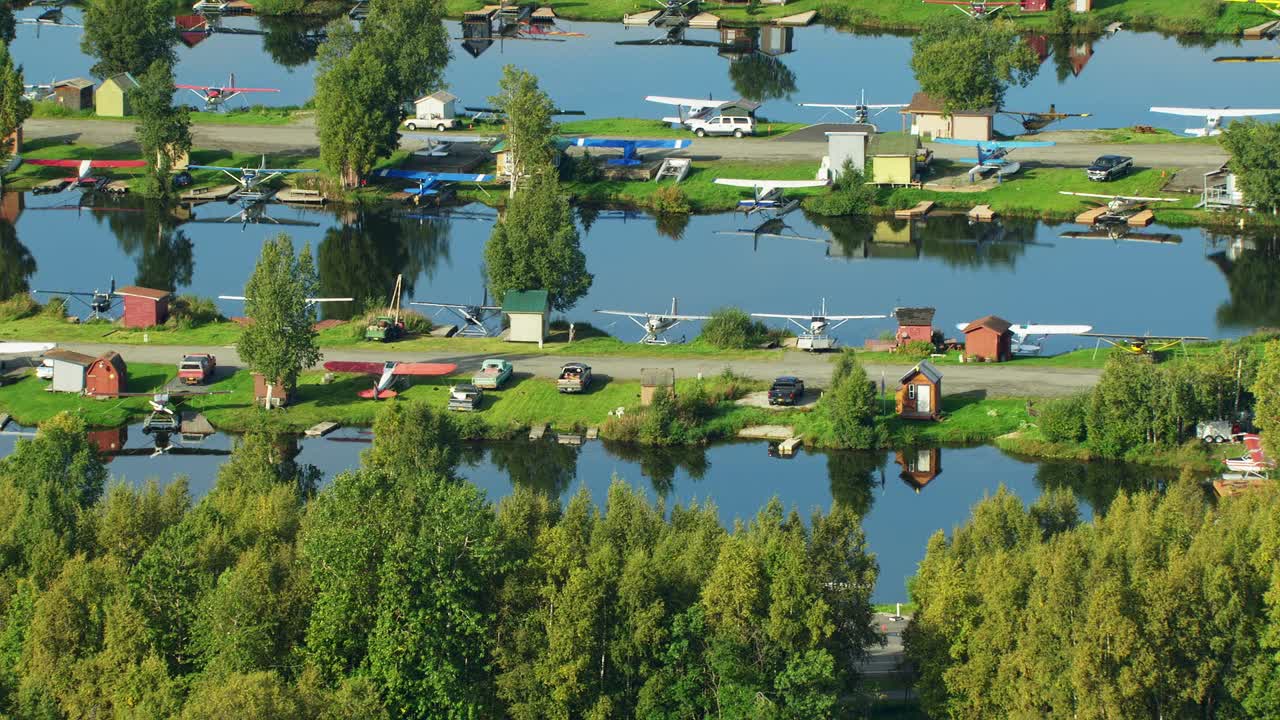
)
(107, 376)
(144, 307)
(914, 325)
(919, 396)
(988, 339)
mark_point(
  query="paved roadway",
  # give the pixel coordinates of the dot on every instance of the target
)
(1073, 150)
(983, 380)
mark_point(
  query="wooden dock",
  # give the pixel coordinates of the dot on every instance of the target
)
(982, 213)
(921, 209)
(322, 429)
(208, 193)
(1232, 488)
(569, 438)
(788, 447)
(767, 432)
(4, 420)
(298, 196)
(194, 423)
(1263, 31)
(798, 20)
(537, 431)
(1089, 217)
(593, 433)
(641, 19)
(1141, 219)
(544, 14)
(116, 187)
(704, 21)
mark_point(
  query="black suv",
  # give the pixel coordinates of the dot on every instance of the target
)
(1110, 167)
(786, 390)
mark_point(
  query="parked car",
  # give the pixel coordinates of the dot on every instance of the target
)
(786, 390)
(492, 374)
(197, 368)
(1110, 167)
(735, 125)
(182, 180)
(574, 378)
(439, 124)
(465, 398)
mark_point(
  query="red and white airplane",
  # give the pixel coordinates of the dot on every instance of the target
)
(388, 373)
(83, 167)
(215, 95)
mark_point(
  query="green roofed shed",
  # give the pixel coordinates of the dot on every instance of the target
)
(528, 312)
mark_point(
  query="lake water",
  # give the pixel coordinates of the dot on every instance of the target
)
(904, 497)
(1116, 78)
(1193, 284)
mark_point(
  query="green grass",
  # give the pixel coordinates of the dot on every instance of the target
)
(30, 404)
(639, 127)
(1030, 442)
(699, 186)
(252, 115)
(890, 608)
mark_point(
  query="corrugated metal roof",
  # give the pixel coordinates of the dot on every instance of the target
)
(926, 369)
(78, 83)
(123, 81)
(525, 301)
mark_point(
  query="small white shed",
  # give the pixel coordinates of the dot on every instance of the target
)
(436, 106)
(69, 370)
(529, 312)
(851, 146)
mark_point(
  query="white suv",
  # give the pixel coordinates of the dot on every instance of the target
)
(735, 125)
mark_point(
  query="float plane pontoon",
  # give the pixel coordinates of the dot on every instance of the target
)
(816, 327)
(767, 194)
(655, 325)
(1213, 117)
(251, 179)
(629, 147)
(992, 154)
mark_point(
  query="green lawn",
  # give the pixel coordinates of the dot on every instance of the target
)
(252, 115)
(699, 186)
(639, 127)
(29, 403)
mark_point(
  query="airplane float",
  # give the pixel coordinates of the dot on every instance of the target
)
(475, 318)
(1119, 207)
(251, 179)
(1119, 231)
(992, 154)
(1213, 117)
(816, 327)
(629, 147)
(430, 184)
(215, 96)
(254, 214)
(1143, 344)
(1034, 122)
(655, 325)
(859, 112)
(1020, 344)
(99, 302)
(767, 194)
(442, 145)
(389, 373)
(82, 177)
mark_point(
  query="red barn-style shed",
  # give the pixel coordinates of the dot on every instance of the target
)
(988, 339)
(914, 324)
(144, 307)
(107, 376)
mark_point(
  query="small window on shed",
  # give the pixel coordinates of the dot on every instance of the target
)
(911, 392)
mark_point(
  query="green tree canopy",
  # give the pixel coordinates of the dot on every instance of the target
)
(127, 36)
(1255, 159)
(164, 131)
(411, 37)
(969, 65)
(14, 106)
(851, 404)
(1266, 388)
(8, 27)
(530, 131)
(281, 342)
(357, 112)
(535, 245)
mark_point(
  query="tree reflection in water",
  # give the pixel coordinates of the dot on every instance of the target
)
(1251, 265)
(17, 264)
(292, 41)
(1098, 482)
(148, 233)
(853, 477)
(761, 78)
(660, 464)
(950, 238)
(546, 467)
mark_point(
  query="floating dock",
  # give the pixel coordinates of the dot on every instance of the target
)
(798, 20)
(569, 438)
(116, 187)
(1263, 31)
(593, 433)
(1141, 219)
(921, 209)
(1232, 488)
(298, 196)
(788, 447)
(641, 18)
(537, 431)
(194, 423)
(767, 432)
(322, 429)
(982, 213)
(208, 193)
(1090, 217)
(704, 21)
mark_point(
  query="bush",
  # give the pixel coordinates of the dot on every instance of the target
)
(190, 311)
(415, 323)
(849, 195)
(731, 328)
(851, 404)
(917, 349)
(55, 308)
(1064, 420)
(17, 307)
(278, 7)
(669, 200)
(583, 169)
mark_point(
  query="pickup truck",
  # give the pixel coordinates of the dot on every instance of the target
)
(439, 124)
(786, 390)
(465, 397)
(1109, 167)
(574, 377)
(492, 374)
(197, 368)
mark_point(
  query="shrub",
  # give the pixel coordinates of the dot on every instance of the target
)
(851, 404)
(849, 195)
(917, 349)
(278, 7)
(669, 200)
(415, 323)
(55, 308)
(583, 169)
(731, 328)
(1063, 420)
(190, 311)
(17, 307)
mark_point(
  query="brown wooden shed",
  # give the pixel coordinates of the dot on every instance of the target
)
(653, 380)
(988, 339)
(915, 324)
(144, 307)
(279, 395)
(919, 396)
(74, 94)
(107, 376)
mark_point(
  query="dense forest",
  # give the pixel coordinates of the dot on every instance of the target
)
(398, 590)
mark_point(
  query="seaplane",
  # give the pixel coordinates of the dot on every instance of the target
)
(860, 112)
(254, 214)
(1028, 340)
(774, 228)
(816, 327)
(475, 318)
(438, 146)
(215, 96)
(99, 302)
(83, 168)
(1119, 207)
(992, 154)
(675, 35)
(1213, 117)
(688, 108)
(978, 9)
(1142, 344)
(389, 373)
(1118, 231)
(655, 325)
(52, 17)
(430, 184)
(1034, 122)
(492, 114)
(252, 179)
(310, 302)
(767, 194)
(629, 147)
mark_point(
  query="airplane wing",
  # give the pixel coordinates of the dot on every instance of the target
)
(856, 317)
(92, 163)
(284, 171)
(771, 184)
(424, 137)
(457, 306)
(1121, 336)
(1033, 329)
(854, 106)
(420, 175)
(344, 366)
(25, 348)
(248, 90)
(693, 103)
(1132, 198)
(1216, 112)
(619, 143)
(194, 87)
(420, 369)
(623, 313)
(778, 316)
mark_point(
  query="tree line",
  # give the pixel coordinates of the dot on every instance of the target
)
(399, 591)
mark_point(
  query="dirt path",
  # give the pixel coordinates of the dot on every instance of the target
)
(300, 137)
(993, 380)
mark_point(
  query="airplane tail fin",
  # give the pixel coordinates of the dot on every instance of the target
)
(673, 307)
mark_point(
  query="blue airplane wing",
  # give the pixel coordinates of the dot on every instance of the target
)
(404, 174)
(953, 141)
(1010, 144)
(462, 177)
(423, 176)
